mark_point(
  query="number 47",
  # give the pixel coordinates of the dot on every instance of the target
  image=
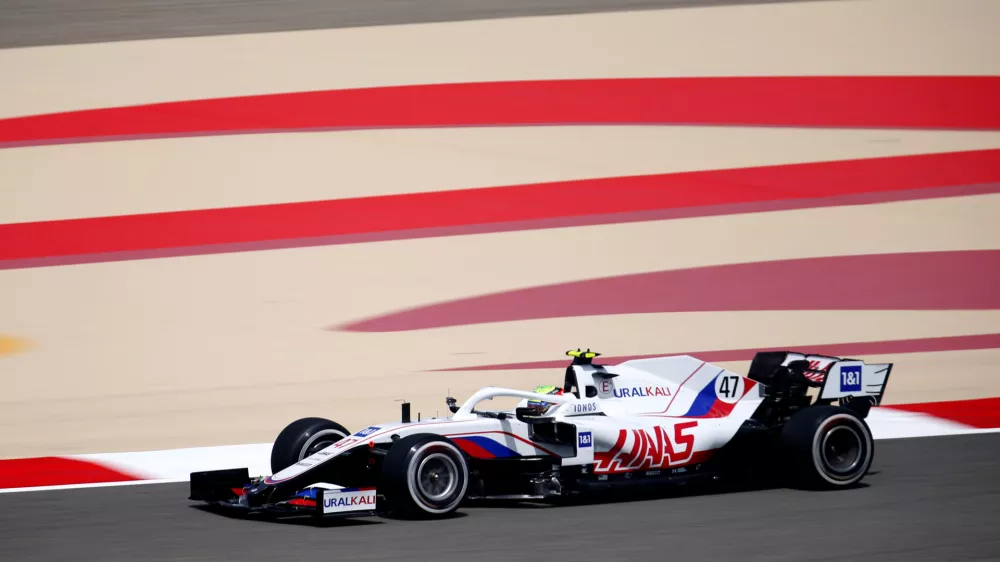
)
(730, 386)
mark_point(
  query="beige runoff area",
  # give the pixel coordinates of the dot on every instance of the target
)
(228, 348)
(223, 349)
(913, 37)
(119, 178)
(10, 345)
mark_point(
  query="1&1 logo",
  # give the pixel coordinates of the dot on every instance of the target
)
(585, 439)
(850, 378)
(366, 431)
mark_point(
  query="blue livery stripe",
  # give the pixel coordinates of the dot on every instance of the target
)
(491, 446)
(704, 401)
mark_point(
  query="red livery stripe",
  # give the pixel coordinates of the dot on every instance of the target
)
(696, 458)
(472, 448)
(506, 433)
(303, 502)
(722, 409)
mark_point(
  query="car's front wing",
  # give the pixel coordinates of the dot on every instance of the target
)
(232, 489)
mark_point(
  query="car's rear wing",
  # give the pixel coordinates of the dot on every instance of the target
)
(837, 378)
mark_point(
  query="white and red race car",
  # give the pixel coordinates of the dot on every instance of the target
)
(642, 423)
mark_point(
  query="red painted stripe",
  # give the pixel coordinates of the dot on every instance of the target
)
(918, 345)
(722, 409)
(512, 226)
(507, 433)
(56, 471)
(719, 409)
(696, 458)
(409, 213)
(679, 387)
(473, 449)
(983, 413)
(303, 502)
(960, 280)
(958, 102)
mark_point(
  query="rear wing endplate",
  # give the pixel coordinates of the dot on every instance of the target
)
(837, 378)
(841, 378)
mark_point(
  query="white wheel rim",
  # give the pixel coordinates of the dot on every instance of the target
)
(315, 438)
(459, 476)
(842, 432)
(437, 476)
(865, 453)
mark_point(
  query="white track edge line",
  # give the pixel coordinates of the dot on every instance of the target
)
(946, 433)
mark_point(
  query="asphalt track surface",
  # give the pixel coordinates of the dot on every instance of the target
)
(932, 499)
(26, 23)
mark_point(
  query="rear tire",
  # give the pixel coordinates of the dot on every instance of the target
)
(424, 476)
(302, 438)
(827, 447)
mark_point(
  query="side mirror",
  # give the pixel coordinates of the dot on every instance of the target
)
(452, 404)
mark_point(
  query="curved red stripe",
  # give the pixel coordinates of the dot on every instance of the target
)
(506, 226)
(911, 281)
(56, 471)
(917, 345)
(412, 215)
(958, 102)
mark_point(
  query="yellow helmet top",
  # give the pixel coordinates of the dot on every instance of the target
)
(580, 354)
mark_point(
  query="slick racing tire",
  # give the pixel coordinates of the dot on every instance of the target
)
(827, 447)
(424, 476)
(302, 438)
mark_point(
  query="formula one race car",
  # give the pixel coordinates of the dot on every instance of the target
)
(642, 423)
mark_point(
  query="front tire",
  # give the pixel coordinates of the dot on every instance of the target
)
(424, 476)
(302, 438)
(828, 447)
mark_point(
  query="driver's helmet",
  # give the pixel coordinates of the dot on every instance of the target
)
(539, 405)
